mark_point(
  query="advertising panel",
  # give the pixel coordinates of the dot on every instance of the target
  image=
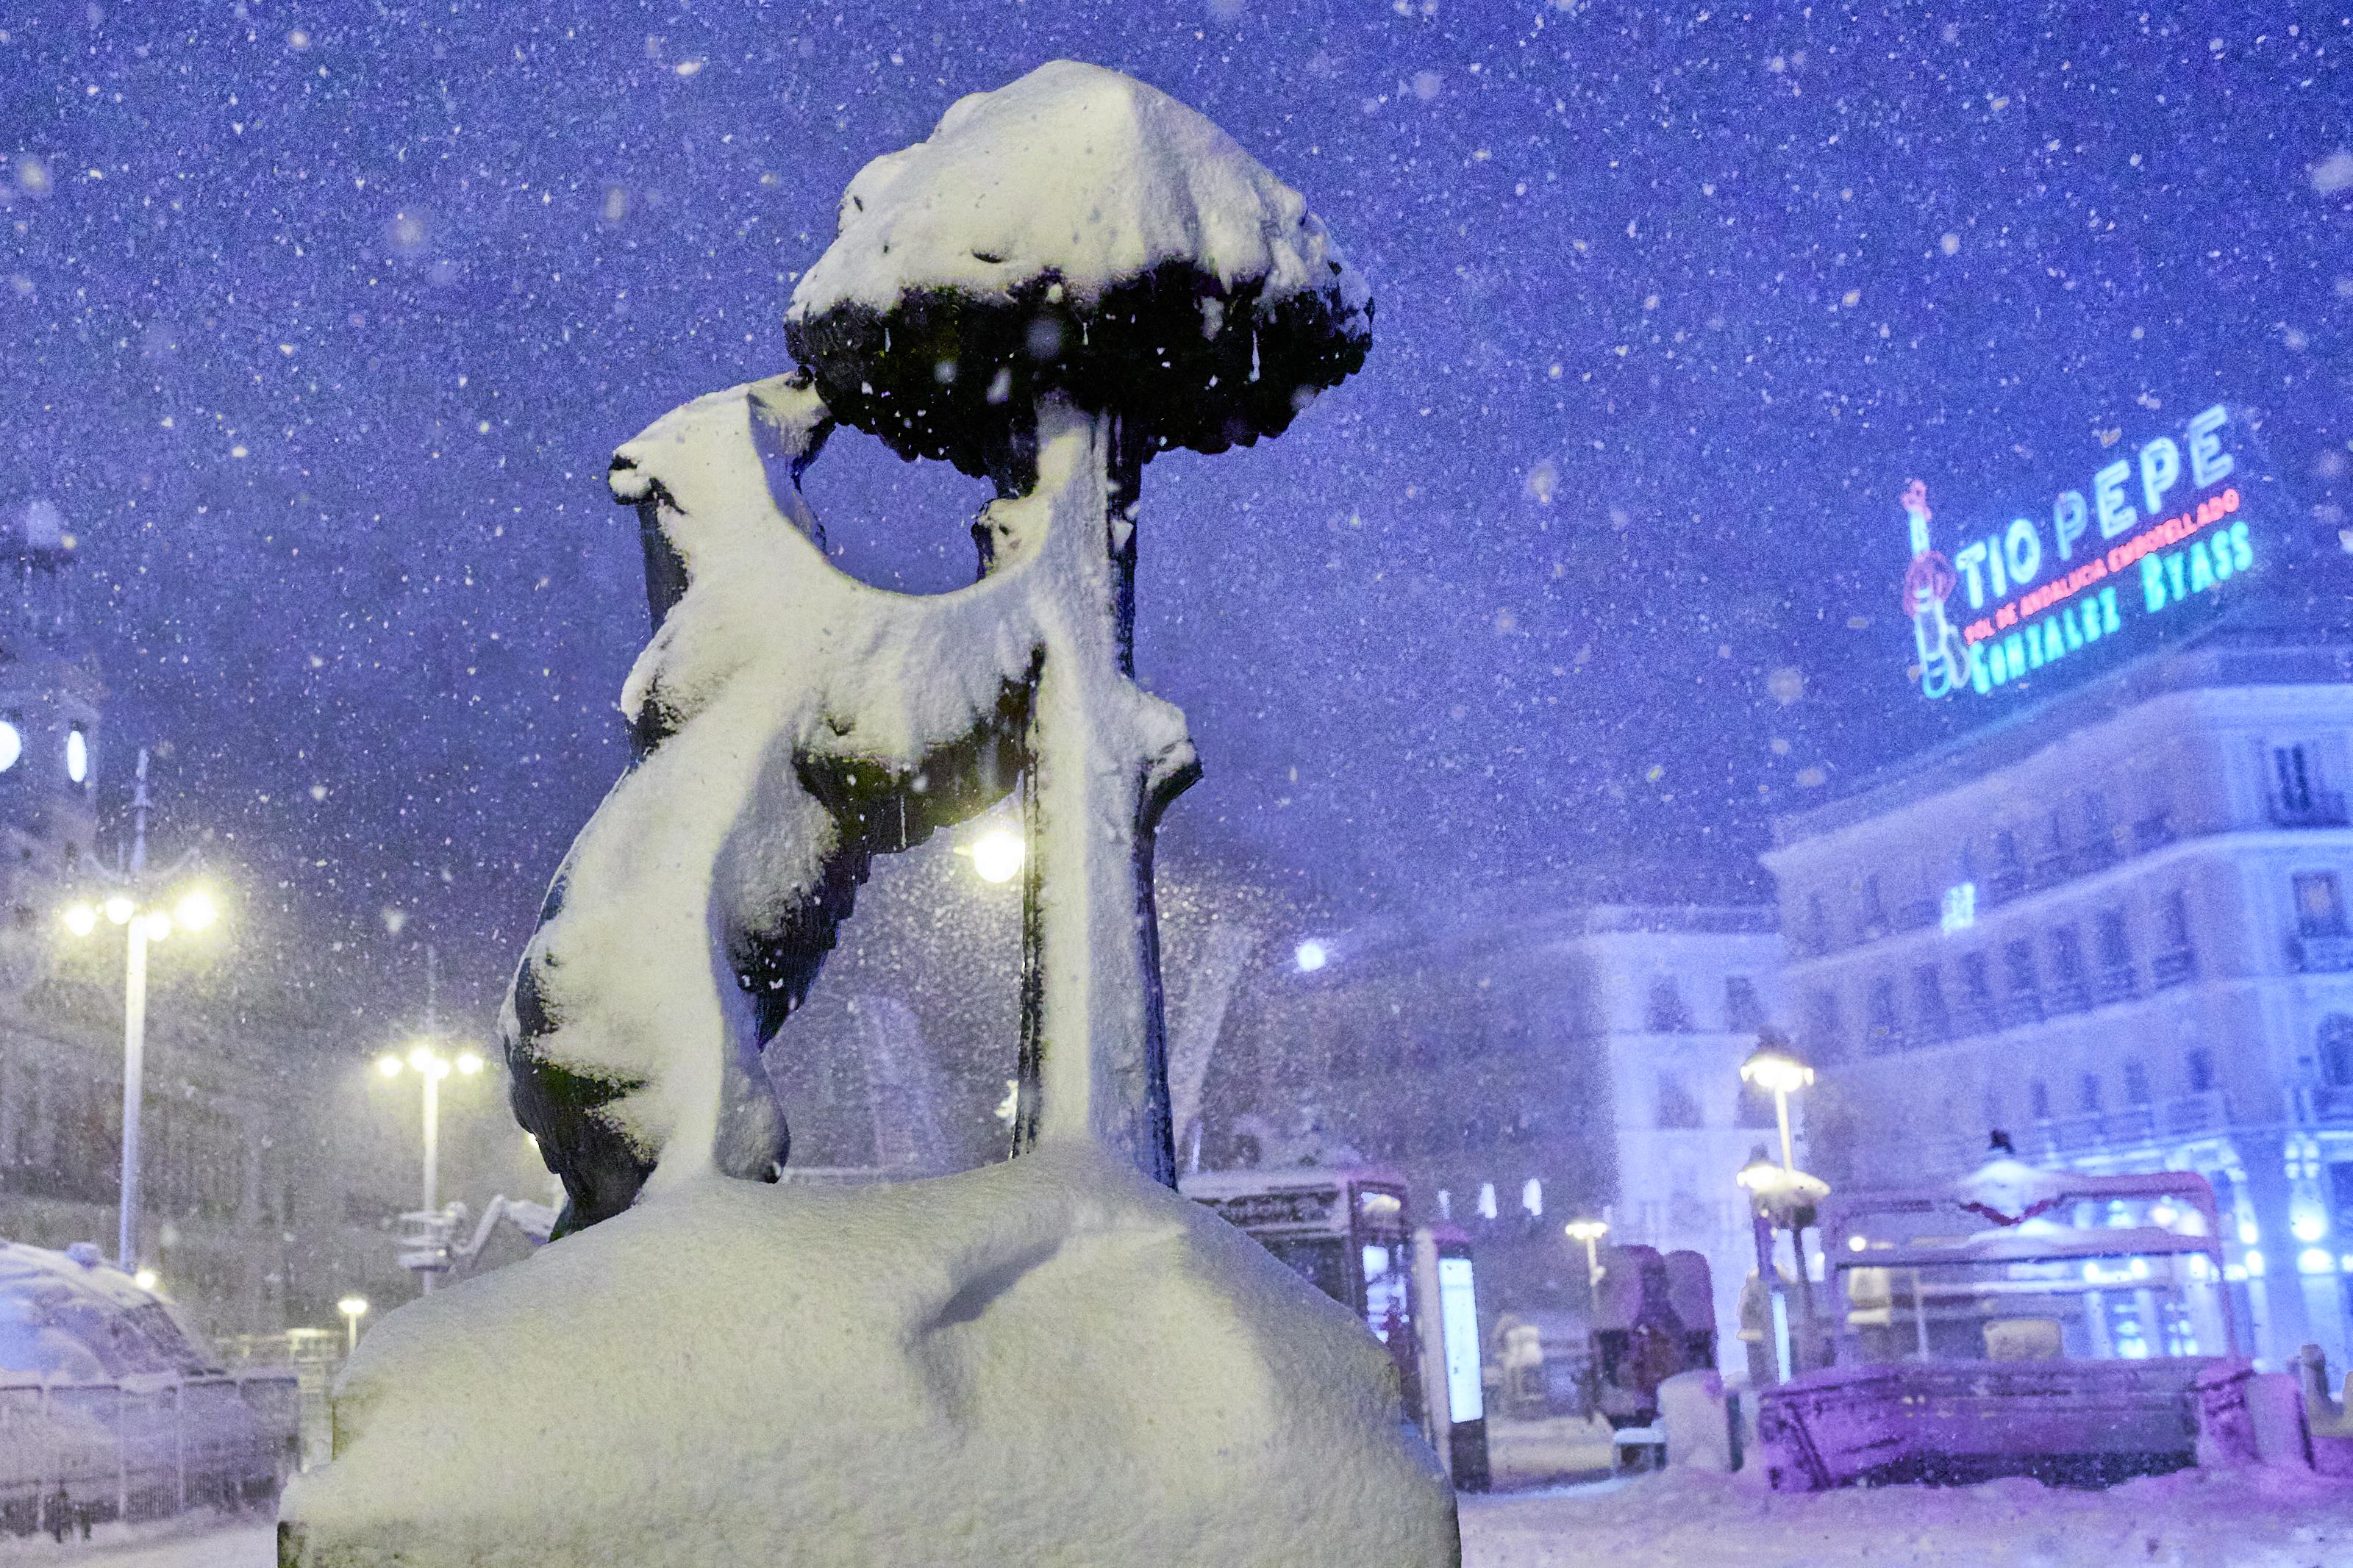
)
(2164, 535)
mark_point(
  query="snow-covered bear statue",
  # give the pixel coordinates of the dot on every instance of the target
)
(788, 722)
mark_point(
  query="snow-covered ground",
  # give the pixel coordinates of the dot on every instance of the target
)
(1690, 1518)
(1687, 1518)
(247, 1546)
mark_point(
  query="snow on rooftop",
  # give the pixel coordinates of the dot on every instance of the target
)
(1077, 171)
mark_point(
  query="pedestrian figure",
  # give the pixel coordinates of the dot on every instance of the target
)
(84, 1512)
(57, 1515)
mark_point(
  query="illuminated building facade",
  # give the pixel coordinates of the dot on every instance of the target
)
(2116, 928)
(1524, 1064)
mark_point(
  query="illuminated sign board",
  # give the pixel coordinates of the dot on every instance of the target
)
(2158, 542)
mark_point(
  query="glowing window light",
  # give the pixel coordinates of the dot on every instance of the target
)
(2315, 1260)
(1309, 956)
(2309, 1226)
(77, 755)
(12, 746)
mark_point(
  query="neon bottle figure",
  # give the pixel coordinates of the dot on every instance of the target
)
(1928, 582)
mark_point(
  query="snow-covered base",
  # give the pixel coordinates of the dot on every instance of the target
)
(1691, 1518)
(1048, 1361)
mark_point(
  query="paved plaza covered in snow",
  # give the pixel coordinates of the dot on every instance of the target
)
(1686, 1518)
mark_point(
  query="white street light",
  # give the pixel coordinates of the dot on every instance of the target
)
(146, 1279)
(142, 926)
(1590, 1232)
(1770, 1068)
(353, 1308)
(430, 1068)
(998, 854)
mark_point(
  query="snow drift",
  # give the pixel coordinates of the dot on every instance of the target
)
(1052, 1361)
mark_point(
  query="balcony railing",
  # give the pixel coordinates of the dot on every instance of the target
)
(2021, 1007)
(2326, 954)
(2189, 1115)
(2327, 1102)
(2152, 833)
(2173, 968)
(2118, 982)
(2070, 995)
(2317, 808)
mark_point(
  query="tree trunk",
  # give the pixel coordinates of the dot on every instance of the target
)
(1103, 760)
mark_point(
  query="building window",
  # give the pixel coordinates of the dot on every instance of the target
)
(1822, 1025)
(1744, 1013)
(1929, 1002)
(2337, 1050)
(2038, 1099)
(1668, 1014)
(1977, 992)
(1532, 1198)
(2293, 776)
(2068, 992)
(2087, 1094)
(2319, 904)
(2009, 869)
(2018, 967)
(2135, 1081)
(1875, 907)
(1883, 1030)
(1756, 1108)
(1818, 923)
(2100, 833)
(2199, 1063)
(1678, 1111)
(2116, 941)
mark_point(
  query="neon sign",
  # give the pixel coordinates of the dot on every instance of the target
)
(2146, 550)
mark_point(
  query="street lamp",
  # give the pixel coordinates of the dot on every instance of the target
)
(430, 1068)
(139, 907)
(997, 855)
(1773, 1067)
(1590, 1232)
(353, 1308)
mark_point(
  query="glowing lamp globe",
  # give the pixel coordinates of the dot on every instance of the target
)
(997, 855)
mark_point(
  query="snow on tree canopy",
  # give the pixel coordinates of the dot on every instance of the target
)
(1075, 230)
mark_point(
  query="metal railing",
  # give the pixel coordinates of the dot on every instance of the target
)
(2326, 954)
(2189, 1115)
(2314, 808)
(142, 1449)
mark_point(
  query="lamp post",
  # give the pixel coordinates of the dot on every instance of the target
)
(353, 1308)
(138, 906)
(430, 1068)
(1590, 1232)
(1773, 1066)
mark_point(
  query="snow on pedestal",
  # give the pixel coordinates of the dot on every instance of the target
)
(1051, 1361)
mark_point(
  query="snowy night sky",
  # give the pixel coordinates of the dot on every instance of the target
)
(319, 326)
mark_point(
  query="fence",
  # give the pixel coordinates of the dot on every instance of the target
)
(146, 1447)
